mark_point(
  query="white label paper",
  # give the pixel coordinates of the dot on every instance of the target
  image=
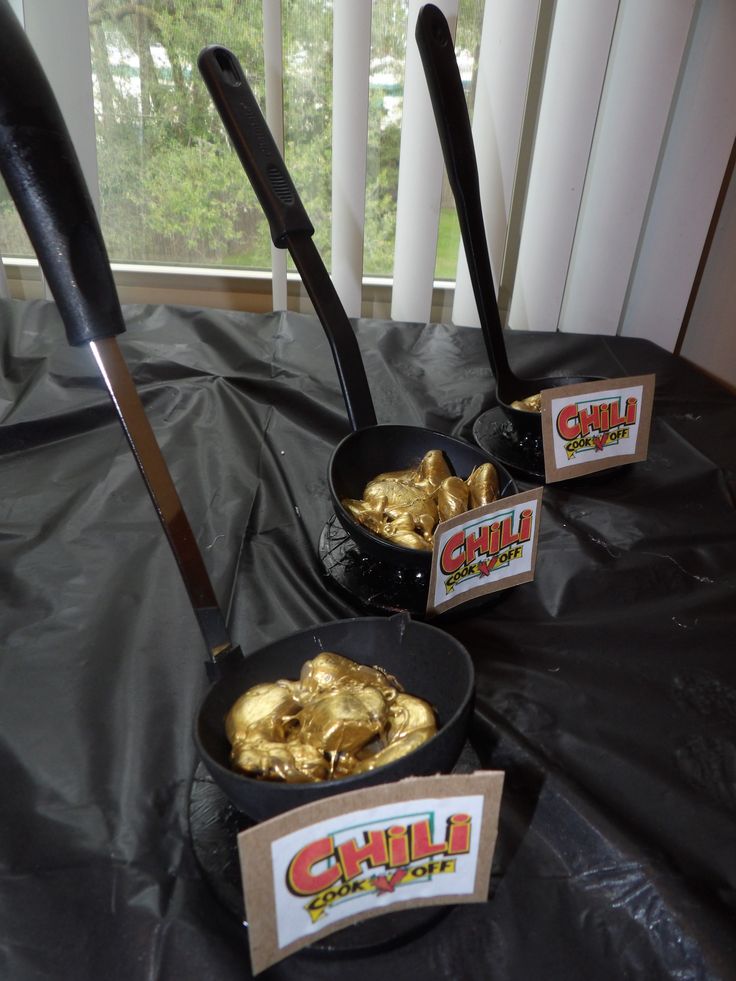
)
(483, 550)
(595, 426)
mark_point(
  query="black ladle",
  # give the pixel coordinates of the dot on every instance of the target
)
(446, 92)
(370, 449)
(42, 172)
(427, 661)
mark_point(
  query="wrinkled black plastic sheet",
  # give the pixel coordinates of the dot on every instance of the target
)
(606, 688)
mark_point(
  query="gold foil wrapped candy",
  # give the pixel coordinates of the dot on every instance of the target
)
(408, 714)
(339, 718)
(452, 498)
(269, 709)
(532, 403)
(405, 506)
(391, 752)
(329, 671)
(291, 762)
(483, 485)
(432, 471)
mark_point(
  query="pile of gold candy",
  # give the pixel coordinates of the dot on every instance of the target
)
(532, 403)
(405, 506)
(339, 718)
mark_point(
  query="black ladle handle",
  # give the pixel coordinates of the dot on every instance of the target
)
(254, 144)
(437, 52)
(287, 218)
(44, 178)
(40, 166)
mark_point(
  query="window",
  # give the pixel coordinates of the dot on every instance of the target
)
(171, 191)
(603, 130)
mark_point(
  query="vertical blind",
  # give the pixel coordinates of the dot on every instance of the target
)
(350, 74)
(603, 129)
(420, 185)
(273, 63)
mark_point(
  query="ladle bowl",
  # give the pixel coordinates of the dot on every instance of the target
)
(426, 661)
(365, 453)
(528, 424)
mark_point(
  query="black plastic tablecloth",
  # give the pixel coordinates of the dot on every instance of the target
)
(606, 689)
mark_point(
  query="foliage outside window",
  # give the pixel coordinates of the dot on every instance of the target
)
(172, 190)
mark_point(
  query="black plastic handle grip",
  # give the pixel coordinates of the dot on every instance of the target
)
(287, 218)
(437, 52)
(43, 175)
(254, 144)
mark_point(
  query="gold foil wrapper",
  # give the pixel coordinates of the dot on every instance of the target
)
(290, 762)
(408, 713)
(393, 751)
(405, 506)
(422, 513)
(452, 498)
(338, 723)
(410, 476)
(393, 491)
(532, 403)
(339, 718)
(269, 710)
(402, 530)
(328, 671)
(432, 471)
(483, 485)
(409, 539)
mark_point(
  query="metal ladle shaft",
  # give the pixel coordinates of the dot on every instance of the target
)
(42, 172)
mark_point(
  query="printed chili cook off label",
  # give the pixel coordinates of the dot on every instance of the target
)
(490, 548)
(425, 841)
(596, 425)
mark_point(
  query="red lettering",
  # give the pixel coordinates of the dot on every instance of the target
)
(385, 883)
(616, 417)
(507, 538)
(458, 834)
(476, 543)
(449, 561)
(568, 424)
(589, 419)
(422, 845)
(351, 857)
(630, 414)
(525, 525)
(398, 846)
(299, 877)
(493, 545)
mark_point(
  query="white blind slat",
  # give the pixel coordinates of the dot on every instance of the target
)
(420, 185)
(503, 73)
(580, 43)
(646, 56)
(68, 67)
(351, 63)
(273, 67)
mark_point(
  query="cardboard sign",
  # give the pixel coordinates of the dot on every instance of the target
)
(425, 841)
(489, 548)
(596, 425)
